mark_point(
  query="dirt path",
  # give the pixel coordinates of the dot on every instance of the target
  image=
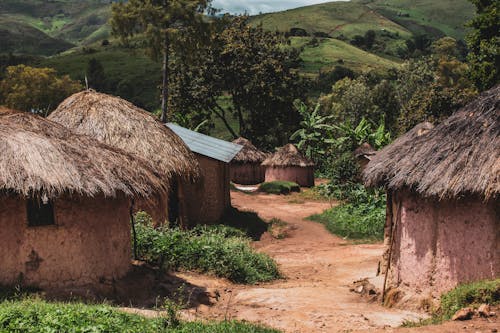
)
(318, 267)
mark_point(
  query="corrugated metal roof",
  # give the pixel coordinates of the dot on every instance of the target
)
(206, 145)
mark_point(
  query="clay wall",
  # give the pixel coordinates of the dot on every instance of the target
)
(247, 174)
(89, 244)
(439, 244)
(207, 200)
(304, 176)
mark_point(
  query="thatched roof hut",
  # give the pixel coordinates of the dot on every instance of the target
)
(121, 124)
(65, 205)
(246, 166)
(459, 156)
(287, 163)
(443, 186)
(42, 156)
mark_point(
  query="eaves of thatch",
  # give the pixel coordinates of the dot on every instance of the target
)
(40, 156)
(121, 124)
(287, 156)
(249, 153)
(460, 156)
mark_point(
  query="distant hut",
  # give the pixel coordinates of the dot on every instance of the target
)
(364, 154)
(443, 187)
(121, 124)
(246, 168)
(65, 205)
(210, 197)
(289, 164)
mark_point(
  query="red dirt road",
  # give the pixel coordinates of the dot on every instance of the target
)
(318, 266)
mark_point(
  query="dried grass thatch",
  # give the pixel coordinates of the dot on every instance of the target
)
(121, 124)
(286, 156)
(459, 156)
(249, 153)
(6, 111)
(40, 156)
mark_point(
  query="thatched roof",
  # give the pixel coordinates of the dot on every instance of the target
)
(459, 156)
(365, 150)
(6, 111)
(287, 155)
(249, 153)
(40, 156)
(121, 124)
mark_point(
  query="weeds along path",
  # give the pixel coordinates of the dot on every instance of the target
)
(318, 267)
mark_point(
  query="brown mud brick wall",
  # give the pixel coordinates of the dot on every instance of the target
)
(440, 244)
(207, 200)
(304, 176)
(89, 244)
(247, 173)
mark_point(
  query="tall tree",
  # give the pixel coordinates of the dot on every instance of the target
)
(37, 90)
(160, 22)
(484, 44)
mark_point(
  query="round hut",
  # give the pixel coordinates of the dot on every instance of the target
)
(287, 163)
(123, 125)
(442, 226)
(65, 205)
(246, 168)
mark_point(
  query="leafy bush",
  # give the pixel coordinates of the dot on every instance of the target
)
(220, 250)
(35, 316)
(362, 217)
(471, 294)
(279, 187)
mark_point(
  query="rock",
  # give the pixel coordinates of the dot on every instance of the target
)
(484, 310)
(463, 314)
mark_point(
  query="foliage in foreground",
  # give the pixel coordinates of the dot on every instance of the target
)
(279, 187)
(35, 316)
(219, 250)
(361, 217)
(465, 295)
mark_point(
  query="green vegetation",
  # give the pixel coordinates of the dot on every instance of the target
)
(219, 250)
(466, 295)
(361, 217)
(279, 187)
(34, 316)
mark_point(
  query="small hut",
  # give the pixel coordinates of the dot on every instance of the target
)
(123, 125)
(210, 197)
(246, 168)
(443, 186)
(287, 163)
(364, 154)
(65, 205)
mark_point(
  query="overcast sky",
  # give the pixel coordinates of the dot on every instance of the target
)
(264, 6)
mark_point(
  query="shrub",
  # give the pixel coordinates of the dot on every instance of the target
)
(220, 250)
(34, 316)
(279, 187)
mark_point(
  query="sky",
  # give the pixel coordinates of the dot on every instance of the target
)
(264, 6)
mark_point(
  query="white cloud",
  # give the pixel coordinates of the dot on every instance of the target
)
(264, 6)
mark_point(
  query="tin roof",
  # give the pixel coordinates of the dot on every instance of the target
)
(206, 145)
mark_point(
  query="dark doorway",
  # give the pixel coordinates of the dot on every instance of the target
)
(40, 212)
(173, 203)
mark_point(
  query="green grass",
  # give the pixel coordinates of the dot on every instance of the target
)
(218, 250)
(465, 295)
(279, 187)
(332, 52)
(37, 316)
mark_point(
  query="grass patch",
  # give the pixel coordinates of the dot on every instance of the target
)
(279, 187)
(465, 295)
(278, 228)
(34, 316)
(219, 250)
(361, 217)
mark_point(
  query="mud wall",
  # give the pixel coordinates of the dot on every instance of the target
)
(247, 174)
(89, 244)
(304, 176)
(439, 244)
(207, 200)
